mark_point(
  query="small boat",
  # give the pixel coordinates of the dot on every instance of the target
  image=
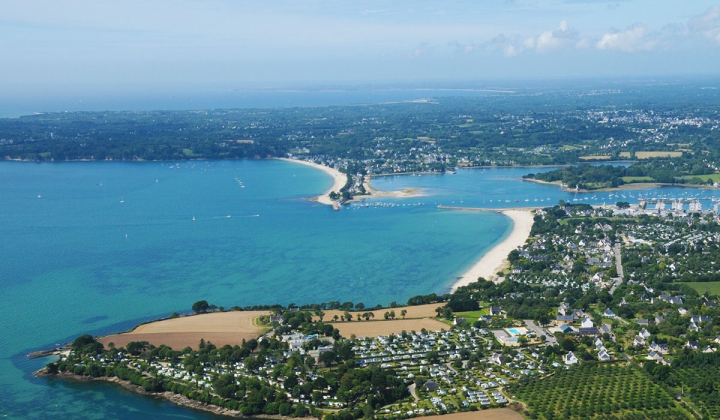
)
(193, 218)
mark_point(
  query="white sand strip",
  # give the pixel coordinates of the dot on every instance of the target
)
(339, 179)
(494, 259)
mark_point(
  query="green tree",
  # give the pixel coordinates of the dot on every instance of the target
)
(200, 306)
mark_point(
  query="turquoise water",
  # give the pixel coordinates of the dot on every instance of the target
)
(99, 247)
(504, 188)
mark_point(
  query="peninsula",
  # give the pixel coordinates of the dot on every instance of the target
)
(575, 308)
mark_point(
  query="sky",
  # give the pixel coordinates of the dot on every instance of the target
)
(50, 44)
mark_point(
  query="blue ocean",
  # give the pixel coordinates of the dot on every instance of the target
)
(97, 247)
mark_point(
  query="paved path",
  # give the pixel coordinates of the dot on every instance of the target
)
(618, 266)
(549, 338)
(411, 389)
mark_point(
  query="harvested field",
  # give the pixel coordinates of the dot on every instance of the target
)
(596, 157)
(648, 155)
(493, 414)
(420, 311)
(375, 328)
(220, 328)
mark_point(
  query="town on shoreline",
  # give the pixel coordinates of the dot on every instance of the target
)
(608, 300)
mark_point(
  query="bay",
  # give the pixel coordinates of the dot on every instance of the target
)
(97, 247)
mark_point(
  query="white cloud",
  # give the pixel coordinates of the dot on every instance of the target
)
(460, 49)
(421, 50)
(560, 38)
(707, 24)
(635, 38)
(583, 44)
(548, 41)
(510, 51)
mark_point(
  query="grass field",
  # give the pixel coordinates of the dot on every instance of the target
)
(189, 153)
(375, 328)
(472, 316)
(711, 286)
(713, 177)
(637, 179)
(220, 328)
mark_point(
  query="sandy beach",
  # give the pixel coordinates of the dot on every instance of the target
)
(339, 179)
(495, 258)
(406, 193)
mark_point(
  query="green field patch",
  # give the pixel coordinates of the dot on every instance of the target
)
(636, 179)
(190, 153)
(710, 286)
(44, 154)
(472, 316)
(705, 178)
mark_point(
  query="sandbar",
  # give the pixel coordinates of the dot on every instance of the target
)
(489, 264)
(404, 193)
(339, 179)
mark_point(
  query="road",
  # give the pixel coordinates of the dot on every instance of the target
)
(618, 266)
(549, 338)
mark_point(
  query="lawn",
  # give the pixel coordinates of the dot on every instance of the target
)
(711, 286)
(471, 316)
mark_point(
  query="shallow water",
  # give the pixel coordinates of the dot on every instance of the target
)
(99, 247)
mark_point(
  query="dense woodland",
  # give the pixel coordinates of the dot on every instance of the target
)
(682, 170)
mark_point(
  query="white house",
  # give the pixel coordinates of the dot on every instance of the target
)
(570, 359)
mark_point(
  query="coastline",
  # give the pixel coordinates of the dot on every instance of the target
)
(624, 187)
(172, 397)
(339, 179)
(489, 264)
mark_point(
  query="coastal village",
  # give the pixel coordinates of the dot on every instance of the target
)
(614, 305)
